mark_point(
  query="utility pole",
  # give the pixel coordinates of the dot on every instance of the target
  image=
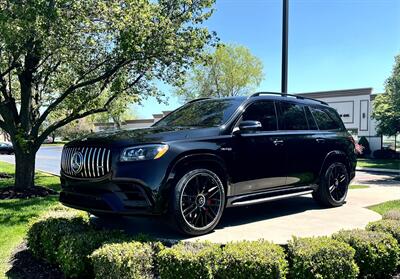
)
(285, 35)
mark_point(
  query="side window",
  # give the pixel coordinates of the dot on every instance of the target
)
(310, 119)
(293, 117)
(263, 111)
(324, 119)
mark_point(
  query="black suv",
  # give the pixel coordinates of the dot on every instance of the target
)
(210, 154)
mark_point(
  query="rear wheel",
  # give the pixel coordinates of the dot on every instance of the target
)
(334, 185)
(198, 201)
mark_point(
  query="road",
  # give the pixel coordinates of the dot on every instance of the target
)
(47, 159)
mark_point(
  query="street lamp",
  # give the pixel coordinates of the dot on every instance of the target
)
(285, 33)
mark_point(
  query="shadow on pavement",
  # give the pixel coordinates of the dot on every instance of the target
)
(160, 227)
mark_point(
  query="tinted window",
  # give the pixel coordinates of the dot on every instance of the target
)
(264, 112)
(204, 113)
(293, 117)
(325, 119)
(310, 119)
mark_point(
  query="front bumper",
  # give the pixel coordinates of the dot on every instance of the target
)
(108, 196)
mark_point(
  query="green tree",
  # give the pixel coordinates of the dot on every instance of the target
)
(74, 58)
(229, 71)
(386, 106)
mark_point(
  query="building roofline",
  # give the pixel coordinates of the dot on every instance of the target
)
(338, 93)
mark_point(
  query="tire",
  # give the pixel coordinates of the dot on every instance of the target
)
(198, 202)
(333, 187)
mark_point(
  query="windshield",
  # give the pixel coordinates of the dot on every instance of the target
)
(204, 113)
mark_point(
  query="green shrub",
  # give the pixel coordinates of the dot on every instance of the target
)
(393, 214)
(377, 253)
(321, 257)
(188, 260)
(124, 260)
(388, 226)
(252, 259)
(45, 233)
(75, 249)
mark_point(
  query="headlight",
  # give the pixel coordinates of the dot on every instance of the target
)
(144, 152)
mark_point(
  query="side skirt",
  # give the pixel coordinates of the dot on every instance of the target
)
(270, 195)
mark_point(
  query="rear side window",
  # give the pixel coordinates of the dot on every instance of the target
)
(263, 111)
(326, 120)
(293, 117)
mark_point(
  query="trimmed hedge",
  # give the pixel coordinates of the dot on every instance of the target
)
(125, 260)
(321, 257)
(377, 253)
(388, 226)
(45, 233)
(252, 259)
(75, 249)
(393, 214)
(188, 260)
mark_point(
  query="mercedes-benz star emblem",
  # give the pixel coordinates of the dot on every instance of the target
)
(77, 162)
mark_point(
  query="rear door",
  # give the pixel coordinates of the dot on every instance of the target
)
(298, 135)
(260, 161)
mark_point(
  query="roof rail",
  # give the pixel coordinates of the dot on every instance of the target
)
(198, 99)
(287, 95)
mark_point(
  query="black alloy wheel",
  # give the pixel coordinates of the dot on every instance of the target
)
(199, 201)
(334, 185)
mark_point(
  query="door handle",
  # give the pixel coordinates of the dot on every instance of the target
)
(320, 140)
(278, 142)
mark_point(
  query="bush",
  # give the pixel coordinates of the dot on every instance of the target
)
(388, 226)
(321, 257)
(188, 260)
(393, 214)
(364, 142)
(74, 251)
(377, 253)
(44, 234)
(384, 154)
(256, 259)
(124, 260)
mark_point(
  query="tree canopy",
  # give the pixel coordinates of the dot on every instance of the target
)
(386, 106)
(75, 58)
(229, 71)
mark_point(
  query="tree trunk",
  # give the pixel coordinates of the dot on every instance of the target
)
(24, 168)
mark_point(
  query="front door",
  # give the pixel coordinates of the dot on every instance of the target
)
(260, 161)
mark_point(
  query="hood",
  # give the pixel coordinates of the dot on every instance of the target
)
(148, 135)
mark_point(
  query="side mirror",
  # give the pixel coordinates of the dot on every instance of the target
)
(248, 126)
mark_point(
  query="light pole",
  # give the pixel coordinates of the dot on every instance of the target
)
(285, 35)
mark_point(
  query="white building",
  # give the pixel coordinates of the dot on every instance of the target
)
(353, 105)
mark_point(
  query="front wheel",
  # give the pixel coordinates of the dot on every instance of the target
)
(198, 202)
(333, 187)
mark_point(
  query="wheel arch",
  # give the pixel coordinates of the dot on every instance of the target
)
(335, 156)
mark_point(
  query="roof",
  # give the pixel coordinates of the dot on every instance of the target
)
(337, 93)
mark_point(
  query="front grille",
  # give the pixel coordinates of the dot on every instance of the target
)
(86, 162)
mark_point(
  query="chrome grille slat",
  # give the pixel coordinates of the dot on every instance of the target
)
(95, 161)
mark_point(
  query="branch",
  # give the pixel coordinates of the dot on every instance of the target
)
(74, 87)
(65, 121)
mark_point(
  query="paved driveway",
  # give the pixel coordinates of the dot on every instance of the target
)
(278, 221)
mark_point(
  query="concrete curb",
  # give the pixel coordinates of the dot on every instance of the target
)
(391, 171)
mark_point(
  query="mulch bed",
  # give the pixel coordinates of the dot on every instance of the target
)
(25, 265)
(37, 191)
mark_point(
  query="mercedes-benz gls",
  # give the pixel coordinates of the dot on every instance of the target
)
(211, 154)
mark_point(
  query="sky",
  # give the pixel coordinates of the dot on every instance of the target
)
(333, 44)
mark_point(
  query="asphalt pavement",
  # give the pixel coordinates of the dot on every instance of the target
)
(47, 159)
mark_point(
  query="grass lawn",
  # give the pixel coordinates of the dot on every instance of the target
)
(382, 208)
(15, 215)
(358, 186)
(379, 163)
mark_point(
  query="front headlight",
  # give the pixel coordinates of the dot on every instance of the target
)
(144, 152)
